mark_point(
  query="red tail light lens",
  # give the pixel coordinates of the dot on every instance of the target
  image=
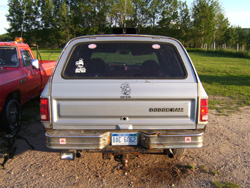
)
(204, 110)
(44, 109)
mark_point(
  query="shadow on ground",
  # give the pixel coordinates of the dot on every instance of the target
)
(40, 168)
(31, 129)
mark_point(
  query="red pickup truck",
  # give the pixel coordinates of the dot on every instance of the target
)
(22, 77)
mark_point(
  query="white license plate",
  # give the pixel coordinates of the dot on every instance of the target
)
(124, 139)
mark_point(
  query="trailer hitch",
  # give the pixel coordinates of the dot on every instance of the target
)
(124, 159)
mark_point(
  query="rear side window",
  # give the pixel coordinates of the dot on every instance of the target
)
(8, 57)
(124, 60)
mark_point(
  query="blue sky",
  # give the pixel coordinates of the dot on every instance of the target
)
(237, 12)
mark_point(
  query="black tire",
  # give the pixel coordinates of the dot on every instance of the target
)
(12, 116)
(179, 151)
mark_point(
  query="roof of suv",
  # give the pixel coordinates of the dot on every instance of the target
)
(125, 35)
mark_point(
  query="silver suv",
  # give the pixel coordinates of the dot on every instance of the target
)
(123, 95)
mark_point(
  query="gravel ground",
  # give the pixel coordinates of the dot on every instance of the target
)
(225, 157)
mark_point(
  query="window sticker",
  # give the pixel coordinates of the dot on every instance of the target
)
(156, 46)
(80, 66)
(126, 89)
(92, 46)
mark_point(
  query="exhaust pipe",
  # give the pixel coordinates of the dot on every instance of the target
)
(169, 152)
(65, 155)
(70, 155)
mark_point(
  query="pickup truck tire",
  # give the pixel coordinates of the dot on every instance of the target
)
(12, 116)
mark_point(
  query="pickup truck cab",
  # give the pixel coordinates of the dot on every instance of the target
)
(22, 77)
(124, 94)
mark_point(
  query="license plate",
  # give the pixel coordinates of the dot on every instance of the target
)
(124, 139)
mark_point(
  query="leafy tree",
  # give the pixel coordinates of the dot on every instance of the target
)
(232, 37)
(140, 13)
(121, 12)
(241, 36)
(15, 17)
(24, 18)
(47, 35)
(222, 26)
(154, 11)
(5, 37)
(64, 23)
(169, 17)
(248, 41)
(184, 23)
(51, 23)
(204, 21)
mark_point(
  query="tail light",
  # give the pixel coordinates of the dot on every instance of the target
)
(204, 110)
(44, 109)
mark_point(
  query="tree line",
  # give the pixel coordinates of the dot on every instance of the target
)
(51, 23)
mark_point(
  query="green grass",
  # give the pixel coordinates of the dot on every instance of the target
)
(222, 52)
(48, 54)
(226, 79)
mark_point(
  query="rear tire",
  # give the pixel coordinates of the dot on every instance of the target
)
(12, 116)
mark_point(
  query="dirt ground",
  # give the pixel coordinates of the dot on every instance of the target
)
(225, 157)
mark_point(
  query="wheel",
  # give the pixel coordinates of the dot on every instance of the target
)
(179, 151)
(12, 116)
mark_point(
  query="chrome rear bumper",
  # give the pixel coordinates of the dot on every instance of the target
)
(101, 140)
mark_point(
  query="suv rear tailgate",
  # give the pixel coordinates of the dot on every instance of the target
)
(91, 104)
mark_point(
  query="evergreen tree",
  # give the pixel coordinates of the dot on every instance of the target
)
(168, 21)
(184, 24)
(222, 26)
(64, 23)
(15, 17)
(51, 23)
(204, 21)
(155, 7)
(248, 42)
(121, 12)
(140, 13)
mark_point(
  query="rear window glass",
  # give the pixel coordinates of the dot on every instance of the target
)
(124, 60)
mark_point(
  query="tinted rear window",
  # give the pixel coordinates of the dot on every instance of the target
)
(124, 61)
